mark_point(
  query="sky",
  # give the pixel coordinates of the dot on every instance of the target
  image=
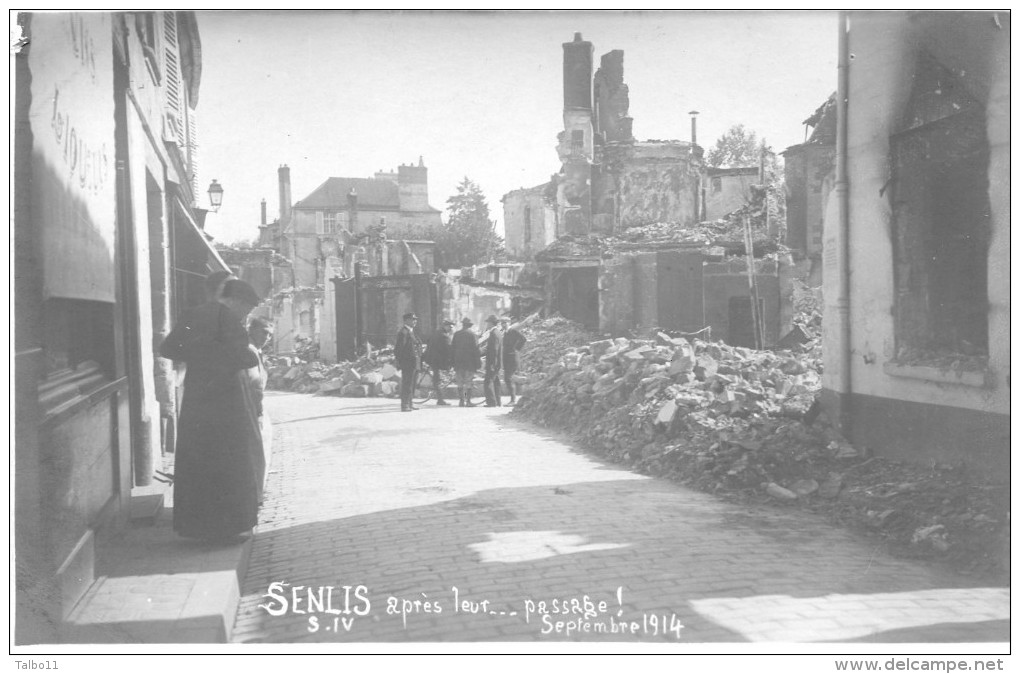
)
(476, 94)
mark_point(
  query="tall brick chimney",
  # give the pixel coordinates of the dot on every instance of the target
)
(577, 71)
(263, 220)
(413, 186)
(284, 193)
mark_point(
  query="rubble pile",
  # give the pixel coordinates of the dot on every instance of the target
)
(369, 376)
(720, 237)
(742, 423)
(807, 320)
(572, 246)
(547, 340)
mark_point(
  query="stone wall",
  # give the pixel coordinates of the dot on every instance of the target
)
(675, 290)
(651, 182)
(461, 300)
(734, 191)
(529, 221)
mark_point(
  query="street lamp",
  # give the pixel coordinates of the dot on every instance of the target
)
(215, 196)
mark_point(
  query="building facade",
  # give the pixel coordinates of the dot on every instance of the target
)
(373, 227)
(533, 214)
(607, 181)
(109, 251)
(727, 189)
(809, 170)
(916, 249)
(355, 211)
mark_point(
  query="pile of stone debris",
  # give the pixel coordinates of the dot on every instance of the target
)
(745, 424)
(548, 339)
(716, 237)
(369, 376)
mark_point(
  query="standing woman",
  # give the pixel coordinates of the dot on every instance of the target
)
(215, 474)
(255, 379)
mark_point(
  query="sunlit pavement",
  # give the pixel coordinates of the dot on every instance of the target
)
(453, 524)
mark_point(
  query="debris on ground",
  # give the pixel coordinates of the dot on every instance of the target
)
(548, 339)
(742, 423)
(369, 376)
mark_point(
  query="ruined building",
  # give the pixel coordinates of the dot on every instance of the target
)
(917, 232)
(809, 169)
(347, 218)
(377, 225)
(608, 181)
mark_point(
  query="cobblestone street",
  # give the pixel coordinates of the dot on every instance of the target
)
(468, 505)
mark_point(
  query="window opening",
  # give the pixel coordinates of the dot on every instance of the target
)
(942, 224)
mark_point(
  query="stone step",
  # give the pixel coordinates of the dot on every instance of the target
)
(153, 586)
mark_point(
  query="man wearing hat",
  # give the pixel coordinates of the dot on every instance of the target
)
(439, 356)
(467, 358)
(407, 353)
(513, 342)
(493, 362)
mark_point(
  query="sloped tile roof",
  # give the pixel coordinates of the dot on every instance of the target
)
(373, 194)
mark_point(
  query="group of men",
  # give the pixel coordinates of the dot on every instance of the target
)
(463, 352)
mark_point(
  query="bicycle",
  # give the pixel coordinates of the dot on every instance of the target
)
(424, 388)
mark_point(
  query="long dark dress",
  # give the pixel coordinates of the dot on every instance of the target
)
(255, 386)
(216, 481)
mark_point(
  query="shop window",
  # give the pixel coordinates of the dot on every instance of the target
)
(78, 350)
(941, 222)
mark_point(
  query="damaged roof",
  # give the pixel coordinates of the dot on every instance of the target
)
(823, 121)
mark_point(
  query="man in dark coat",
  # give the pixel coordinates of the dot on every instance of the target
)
(439, 356)
(467, 358)
(407, 353)
(513, 342)
(493, 363)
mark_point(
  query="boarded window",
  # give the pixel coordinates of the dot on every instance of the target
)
(527, 225)
(716, 185)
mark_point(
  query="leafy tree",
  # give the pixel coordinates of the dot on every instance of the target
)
(468, 237)
(737, 147)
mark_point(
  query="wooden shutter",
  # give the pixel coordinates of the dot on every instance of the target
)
(193, 149)
(172, 86)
